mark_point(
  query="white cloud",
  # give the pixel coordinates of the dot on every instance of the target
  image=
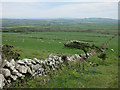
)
(51, 10)
(59, 0)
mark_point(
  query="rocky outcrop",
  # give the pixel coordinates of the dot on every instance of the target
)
(13, 70)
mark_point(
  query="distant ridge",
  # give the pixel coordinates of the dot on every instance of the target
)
(6, 22)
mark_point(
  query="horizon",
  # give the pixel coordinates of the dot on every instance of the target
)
(62, 18)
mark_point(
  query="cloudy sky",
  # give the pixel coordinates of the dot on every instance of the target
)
(59, 9)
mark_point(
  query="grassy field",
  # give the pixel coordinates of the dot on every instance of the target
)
(41, 44)
(105, 75)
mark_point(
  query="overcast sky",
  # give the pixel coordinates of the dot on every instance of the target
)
(59, 9)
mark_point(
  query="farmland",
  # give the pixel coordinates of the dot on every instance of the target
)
(40, 40)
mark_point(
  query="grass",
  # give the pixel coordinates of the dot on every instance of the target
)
(41, 44)
(105, 75)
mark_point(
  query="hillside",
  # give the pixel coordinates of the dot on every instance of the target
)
(101, 25)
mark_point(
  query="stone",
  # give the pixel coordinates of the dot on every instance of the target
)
(20, 62)
(36, 60)
(77, 56)
(9, 81)
(112, 50)
(6, 72)
(33, 62)
(51, 56)
(14, 77)
(15, 72)
(2, 79)
(12, 62)
(57, 62)
(36, 67)
(72, 58)
(9, 65)
(23, 76)
(27, 60)
(21, 68)
(29, 70)
(55, 57)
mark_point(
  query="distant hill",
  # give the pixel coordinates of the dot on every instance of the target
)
(29, 22)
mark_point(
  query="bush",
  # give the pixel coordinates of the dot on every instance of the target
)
(8, 53)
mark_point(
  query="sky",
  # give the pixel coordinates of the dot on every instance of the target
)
(59, 9)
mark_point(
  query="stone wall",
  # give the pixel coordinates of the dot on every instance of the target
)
(13, 70)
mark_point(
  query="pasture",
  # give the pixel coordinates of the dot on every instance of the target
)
(46, 37)
(41, 44)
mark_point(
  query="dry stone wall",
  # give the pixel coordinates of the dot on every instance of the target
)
(13, 70)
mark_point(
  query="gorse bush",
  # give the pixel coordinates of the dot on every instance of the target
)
(9, 53)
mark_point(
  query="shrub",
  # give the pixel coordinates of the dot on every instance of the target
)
(8, 53)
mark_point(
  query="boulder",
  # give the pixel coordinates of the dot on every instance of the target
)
(6, 72)
(2, 80)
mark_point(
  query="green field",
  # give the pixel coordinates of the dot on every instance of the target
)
(44, 43)
(40, 44)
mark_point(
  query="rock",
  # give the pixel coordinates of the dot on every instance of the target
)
(9, 81)
(36, 60)
(72, 58)
(36, 67)
(21, 68)
(6, 72)
(55, 57)
(23, 76)
(90, 54)
(25, 60)
(90, 63)
(68, 59)
(2, 80)
(112, 50)
(33, 62)
(57, 62)
(29, 70)
(12, 62)
(15, 72)
(60, 60)
(9, 65)
(14, 77)
(50, 56)
(41, 70)
(4, 63)
(77, 56)
(20, 62)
